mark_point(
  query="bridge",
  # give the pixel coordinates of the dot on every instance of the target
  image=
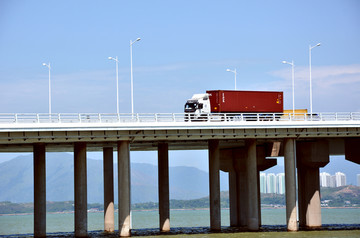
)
(240, 144)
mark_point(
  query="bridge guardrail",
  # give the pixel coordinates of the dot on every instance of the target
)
(9, 118)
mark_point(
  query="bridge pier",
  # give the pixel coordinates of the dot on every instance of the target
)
(233, 197)
(214, 185)
(108, 168)
(80, 185)
(290, 184)
(235, 162)
(253, 199)
(123, 148)
(238, 188)
(39, 190)
(310, 157)
(163, 182)
(242, 189)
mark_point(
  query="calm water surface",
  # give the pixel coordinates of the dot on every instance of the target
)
(23, 224)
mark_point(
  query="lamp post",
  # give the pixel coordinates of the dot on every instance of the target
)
(48, 66)
(234, 71)
(117, 83)
(131, 71)
(293, 83)
(310, 48)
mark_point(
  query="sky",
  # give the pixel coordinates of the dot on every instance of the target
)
(185, 48)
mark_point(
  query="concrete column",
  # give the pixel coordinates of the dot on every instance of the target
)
(251, 167)
(39, 190)
(310, 198)
(243, 198)
(214, 182)
(123, 148)
(241, 186)
(301, 192)
(233, 198)
(108, 189)
(310, 156)
(259, 197)
(163, 179)
(290, 185)
(80, 185)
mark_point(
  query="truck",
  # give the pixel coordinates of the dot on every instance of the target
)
(249, 104)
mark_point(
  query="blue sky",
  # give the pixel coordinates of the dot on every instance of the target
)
(185, 48)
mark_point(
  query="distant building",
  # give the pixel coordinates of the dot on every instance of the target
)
(271, 183)
(262, 182)
(325, 179)
(332, 181)
(340, 179)
(358, 179)
(280, 183)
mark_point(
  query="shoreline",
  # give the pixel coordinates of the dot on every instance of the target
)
(175, 209)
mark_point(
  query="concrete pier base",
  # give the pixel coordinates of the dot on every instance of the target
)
(163, 179)
(123, 149)
(108, 166)
(214, 185)
(80, 185)
(290, 184)
(39, 190)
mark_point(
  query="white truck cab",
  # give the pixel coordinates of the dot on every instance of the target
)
(198, 106)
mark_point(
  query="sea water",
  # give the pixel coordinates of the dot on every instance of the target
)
(64, 222)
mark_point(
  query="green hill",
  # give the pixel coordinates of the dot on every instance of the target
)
(339, 197)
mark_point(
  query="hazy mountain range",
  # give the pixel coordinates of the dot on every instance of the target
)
(16, 178)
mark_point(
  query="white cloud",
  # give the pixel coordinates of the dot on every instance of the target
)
(335, 88)
(349, 73)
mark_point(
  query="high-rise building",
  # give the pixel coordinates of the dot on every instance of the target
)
(325, 179)
(340, 179)
(262, 182)
(332, 181)
(280, 183)
(271, 183)
(358, 179)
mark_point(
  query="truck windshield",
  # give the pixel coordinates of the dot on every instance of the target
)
(190, 107)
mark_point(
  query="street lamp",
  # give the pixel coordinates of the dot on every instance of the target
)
(117, 83)
(310, 48)
(293, 82)
(234, 71)
(48, 66)
(131, 71)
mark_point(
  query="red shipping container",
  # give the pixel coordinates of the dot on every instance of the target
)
(231, 101)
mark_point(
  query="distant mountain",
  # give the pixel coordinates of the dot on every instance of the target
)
(16, 178)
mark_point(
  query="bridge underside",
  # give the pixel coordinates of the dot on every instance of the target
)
(337, 145)
(181, 138)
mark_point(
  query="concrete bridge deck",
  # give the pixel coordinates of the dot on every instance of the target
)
(19, 132)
